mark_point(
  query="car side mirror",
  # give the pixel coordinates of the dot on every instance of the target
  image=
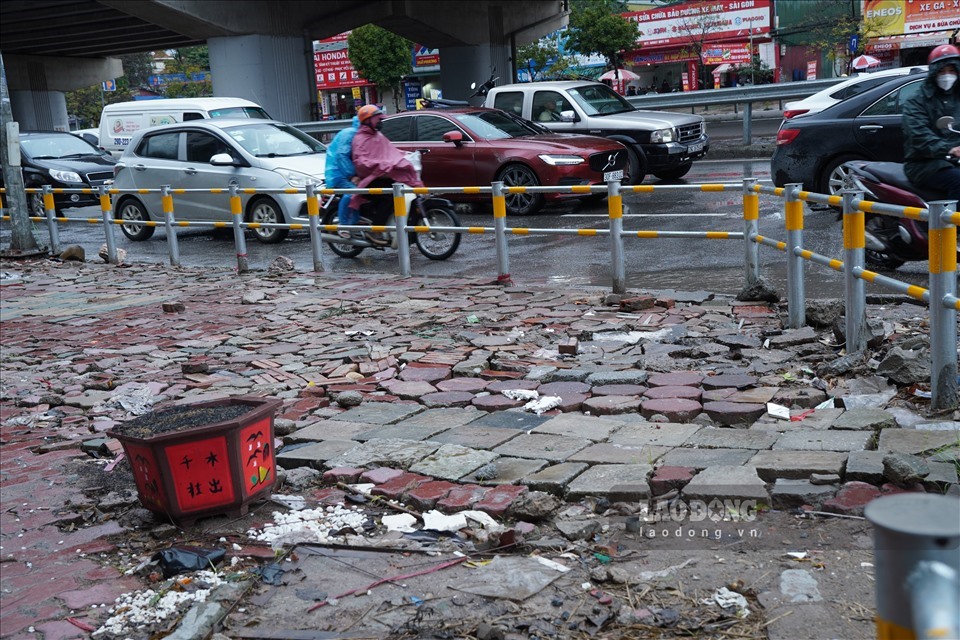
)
(455, 137)
(568, 116)
(222, 160)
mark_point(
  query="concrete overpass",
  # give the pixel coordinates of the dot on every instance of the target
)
(259, 49)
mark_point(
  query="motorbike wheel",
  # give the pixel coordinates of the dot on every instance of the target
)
(884, 229)
(343, 250)
(438, 245)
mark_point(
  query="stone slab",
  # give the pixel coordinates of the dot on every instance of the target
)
(579, 426)
(865, 466)
(915, 442)
(548, 447)
(508, 471)
(725, 481)
(616, 482)
(452, 462)
(555, 478)
(632, 376)
(610, 453)
(817, 440)
(390, 453)
(329, 430)
(664, 434)
(443, 418)
(379, 412)
(865, 419)
(313, 454)
(401, 431)
(788, 493)
(476, 437)
(703, 458)
(797, 464)
(510, 420)
(710, 438)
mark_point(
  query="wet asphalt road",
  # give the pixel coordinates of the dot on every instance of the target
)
(663, 263)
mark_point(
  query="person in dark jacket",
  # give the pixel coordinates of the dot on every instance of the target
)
(925, 146)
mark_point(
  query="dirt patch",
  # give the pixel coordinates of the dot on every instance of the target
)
(181, 418)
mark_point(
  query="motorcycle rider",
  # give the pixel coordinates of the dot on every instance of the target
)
(340, 173)
(378, 164)
(926, 146)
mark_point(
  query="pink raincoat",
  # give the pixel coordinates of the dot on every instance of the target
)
(374, 156)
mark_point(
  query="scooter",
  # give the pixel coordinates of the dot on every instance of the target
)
(480, 92)
(890, 241)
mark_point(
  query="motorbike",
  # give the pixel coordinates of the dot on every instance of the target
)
(892, 242)
(479, 92)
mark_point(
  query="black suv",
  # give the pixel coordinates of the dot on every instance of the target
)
(63, 161)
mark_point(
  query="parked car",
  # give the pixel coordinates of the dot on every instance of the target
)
(215, 154)
(474, 146)
(63, 161)
(847, 89)
(812, 149)
(661, 143)
(90, 135)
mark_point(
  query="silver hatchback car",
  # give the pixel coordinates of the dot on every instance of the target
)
(202, 155)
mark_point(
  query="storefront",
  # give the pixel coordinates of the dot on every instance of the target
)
(340, 89)
(424, 81)
(908, 31)
(725, 32)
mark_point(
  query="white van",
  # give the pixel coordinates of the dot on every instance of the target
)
(121, 120)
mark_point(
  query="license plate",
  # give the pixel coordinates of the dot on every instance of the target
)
(611, 176)
(695, 148)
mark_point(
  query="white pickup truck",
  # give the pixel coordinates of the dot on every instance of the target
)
(661, 143)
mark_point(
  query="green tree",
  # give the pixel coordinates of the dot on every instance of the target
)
(189, 60)
(87, 103)
(596, 26)
(543, 61)
(381, 57)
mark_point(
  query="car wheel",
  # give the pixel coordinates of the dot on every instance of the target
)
(834, 174)
(343, 250)
(636, 169)
(521, 204)
(674, 174)
(266, 211)
(35, 201)
(131, 209)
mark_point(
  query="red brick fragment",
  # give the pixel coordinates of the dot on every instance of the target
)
(499, 499)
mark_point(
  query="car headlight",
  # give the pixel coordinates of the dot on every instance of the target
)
(296, 179)
(559, 160)
(662, 135)
(65, 176)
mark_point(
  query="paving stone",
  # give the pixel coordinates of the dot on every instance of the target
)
(579, 426)
(667, 478)
(675, 409)
(612, 405)
(631, 376)
(664, 434)
(799, 586)
(380, 475)
(820, 419)
(561, 388)
(313, 454)
(329, 430)
(442, 419)
(476, 437)
(379, 413)
(510, 420)
(425, 496)
(452, 462)
(865, 466)
(916, 442)
(726, 438)
(470, 385)
(942, 474)
(414, 373)
(804, 397)
(729, 380)
(548, 447)
(462, 497)
(396, 487)
(570, 402)
(409, 390)
(401, 431)
(676, 378)
(396, 453)
(618, 390)
(498, 500)
(865, 419)
(567, 375)
(508, 471)
(852, 498)
(500, 386)
(826, 478)
(610, 453)
(789, 493)
(555, 478)
(738, 341)
(756, 395)
(904, 469)
(445, 399)
(818, 440)
(343, 474)
(496, 403)
(727, 413)
(616, 482)
(736, 482)
(657, 393)
(797, 464)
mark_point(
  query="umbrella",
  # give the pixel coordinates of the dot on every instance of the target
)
(625, 75)
(864, 62)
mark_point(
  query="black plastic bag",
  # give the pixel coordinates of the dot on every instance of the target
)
(176, 560)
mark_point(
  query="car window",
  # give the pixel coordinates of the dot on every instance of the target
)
(859, 87)
(892, 103)
(240, 112)
(509, 101)
(547, 106)
(56, 145)
(161, 145)
(203, 146)
(432, 128)
(273, 140)
(397, 129)
(495, 125)
(599, 99)
(192, 115)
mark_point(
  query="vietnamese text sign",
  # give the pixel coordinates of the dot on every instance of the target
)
(896, 17)
(722, 19)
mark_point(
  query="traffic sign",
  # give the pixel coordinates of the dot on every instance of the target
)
(109, 85)
(854, 42)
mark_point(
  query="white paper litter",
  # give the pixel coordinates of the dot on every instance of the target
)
(364, 488)
(483, 519)
(552, 564)
(520, 394)
(402, 522)
(727, 599)
(541, 405)
(798, 555)
(778, 411)
(436, 521)
(136, 399)
(294, 503)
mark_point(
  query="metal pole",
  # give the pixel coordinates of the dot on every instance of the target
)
(400, 223)
(853, 260)
(106, 209)
(51, 212)
(943, 319)
(313, 212)
(172, 245)
(236, 210)
(748, 123)
(500, 231)
(793, 213)
(615, 210)
(751, 217)
(916, 545)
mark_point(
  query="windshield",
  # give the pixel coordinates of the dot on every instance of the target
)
(57, 145)
(495, 125)
(599, 99)
(240, 112)
(274, 140)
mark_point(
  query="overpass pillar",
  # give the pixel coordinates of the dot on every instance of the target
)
(40, 110)
(460, 66)
(276, 72)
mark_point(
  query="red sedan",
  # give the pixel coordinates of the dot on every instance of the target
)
(473, 147)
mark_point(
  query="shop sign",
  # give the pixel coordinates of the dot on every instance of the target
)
(731, 54)
(412, 91)
(896, 17)
(332, 66)
(811, 70)
(677, 25)
(425, 59)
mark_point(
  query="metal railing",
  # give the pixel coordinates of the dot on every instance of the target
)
(941, 217)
